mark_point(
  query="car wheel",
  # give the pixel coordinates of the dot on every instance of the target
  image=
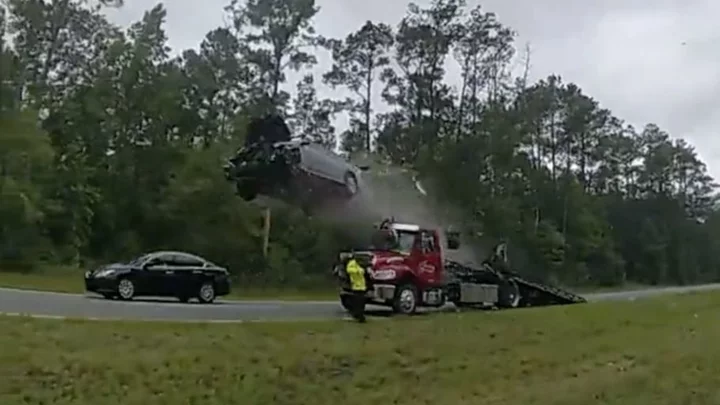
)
(351, 184)
(206, 294)
(246, 191)
(126, 289)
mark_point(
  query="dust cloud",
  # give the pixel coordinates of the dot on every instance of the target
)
(394, 192)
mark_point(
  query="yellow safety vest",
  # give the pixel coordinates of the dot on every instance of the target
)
(356, 274)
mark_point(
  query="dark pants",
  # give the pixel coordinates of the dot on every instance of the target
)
(356, 304)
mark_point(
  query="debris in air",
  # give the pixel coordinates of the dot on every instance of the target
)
(419, 186)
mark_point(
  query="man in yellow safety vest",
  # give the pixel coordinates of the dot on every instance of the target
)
(358, 287)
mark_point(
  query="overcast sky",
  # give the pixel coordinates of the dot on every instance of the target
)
(646, 60)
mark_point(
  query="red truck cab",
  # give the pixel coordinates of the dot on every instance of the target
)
(405, 267)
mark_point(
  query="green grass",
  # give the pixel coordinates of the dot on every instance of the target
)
(70, 280)
(657, 351)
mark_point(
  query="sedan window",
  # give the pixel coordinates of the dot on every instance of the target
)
(187, 261)
(138, 260)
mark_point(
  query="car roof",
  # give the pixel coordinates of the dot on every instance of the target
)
(174, 252)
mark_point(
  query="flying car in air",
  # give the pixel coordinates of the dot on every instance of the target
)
(273, 164)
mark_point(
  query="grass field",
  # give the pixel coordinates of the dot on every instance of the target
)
(657, 351)
(71, 281)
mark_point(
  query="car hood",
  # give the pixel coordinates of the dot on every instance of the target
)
(111, 266)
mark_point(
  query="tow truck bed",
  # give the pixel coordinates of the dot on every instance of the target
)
(532, 293)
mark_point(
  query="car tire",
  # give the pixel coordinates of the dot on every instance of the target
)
(206, 293)
(126, 289)
(405, 301)
(351, 184)
(246, 191)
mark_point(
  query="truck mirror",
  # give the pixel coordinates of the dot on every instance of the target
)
(453, 240)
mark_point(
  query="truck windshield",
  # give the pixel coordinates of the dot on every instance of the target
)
(405, 242)
(397, 241)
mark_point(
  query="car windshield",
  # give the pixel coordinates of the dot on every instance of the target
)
(139, 260)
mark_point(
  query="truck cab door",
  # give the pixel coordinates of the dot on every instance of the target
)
(430, 260)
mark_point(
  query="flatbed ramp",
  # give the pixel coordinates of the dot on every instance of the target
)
(532, 293)
(536, 294)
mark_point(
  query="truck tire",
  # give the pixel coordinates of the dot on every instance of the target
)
(509, 294)
(405, 301)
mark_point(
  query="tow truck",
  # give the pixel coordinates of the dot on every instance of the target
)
(406, 269)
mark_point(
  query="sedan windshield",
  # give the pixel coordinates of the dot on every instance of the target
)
(139, 260)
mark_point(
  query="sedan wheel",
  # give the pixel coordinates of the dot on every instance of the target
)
(207, 293)
(126, 289)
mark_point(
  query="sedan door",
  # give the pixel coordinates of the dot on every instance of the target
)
(337, 166)
(153, 276)
(316, 161)
(187, 275)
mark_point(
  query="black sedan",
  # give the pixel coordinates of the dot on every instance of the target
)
(160, 274)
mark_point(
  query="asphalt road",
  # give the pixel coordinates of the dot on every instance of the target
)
(46, 304)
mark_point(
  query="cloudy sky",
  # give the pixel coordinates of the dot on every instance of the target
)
(648, 61)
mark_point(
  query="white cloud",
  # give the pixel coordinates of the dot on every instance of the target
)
(648, 61)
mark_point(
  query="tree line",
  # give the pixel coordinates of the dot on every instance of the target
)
(110, 145)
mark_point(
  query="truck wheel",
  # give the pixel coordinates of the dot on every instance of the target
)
(405, 301)
(509, 294)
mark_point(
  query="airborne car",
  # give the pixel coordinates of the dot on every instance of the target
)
(160, 274)
(295, 171)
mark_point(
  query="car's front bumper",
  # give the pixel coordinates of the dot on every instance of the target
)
(222, 287)
(100, 284)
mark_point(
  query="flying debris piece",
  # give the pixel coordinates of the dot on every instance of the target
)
(419, 186)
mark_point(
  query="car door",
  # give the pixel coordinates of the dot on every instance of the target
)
(316, 162)
(154, 275)
(337, 166)
(187, 274)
